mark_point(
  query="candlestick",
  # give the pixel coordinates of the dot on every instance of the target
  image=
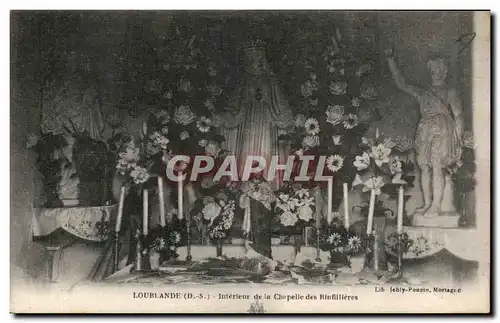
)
(330, 197)
(346, 206)
(180, 200)
(163, 222)
(400, 210)
(120, 209)
(371, 209)
(145, 212)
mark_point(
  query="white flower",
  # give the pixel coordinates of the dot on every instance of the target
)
(176, 237)
(314, 102)
(334, 162)
(299, 152)
(338, 88)
(204, 124)
(307, 88)
(131, 155)
(139, 175)
(334, 114)
(184, 115)
(31, 140)
(284, 197)
(334, 239)
(354, 244)
(212, 148)
(303, 192)
(211, 211)
(362, 162)
(184, 135)
(288, 219)
(122, 165)
(164, 130)
(395, 165)
(203, 142)
(300, 120)
(305, 213)
(312, 126)
(351, 121)
(159, 140)
(356, 102)
(374, 183)
(310, 141)
(380, 154)
(337, 139)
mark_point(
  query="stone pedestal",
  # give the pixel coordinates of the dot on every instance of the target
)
(438, 221)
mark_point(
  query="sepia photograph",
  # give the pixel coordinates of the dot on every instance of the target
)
(250, 161)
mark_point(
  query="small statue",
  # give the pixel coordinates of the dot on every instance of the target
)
(438, 137)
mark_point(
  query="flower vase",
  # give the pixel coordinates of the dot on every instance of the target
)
(375, 257)
(218, 245)
(155, 259)
(338, 259)
(356, 263)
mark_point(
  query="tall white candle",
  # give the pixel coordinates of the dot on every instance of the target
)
(319, 205)
(371, 209)
(346, 206)
(145, 212)
(120, 209)
(330, 197)
(377, 133)
(161, 198)
(400, 209)
(180, 201)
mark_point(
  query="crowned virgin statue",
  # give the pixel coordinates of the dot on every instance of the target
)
(257, 114)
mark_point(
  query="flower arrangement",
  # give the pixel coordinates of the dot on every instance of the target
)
(392, 241)
(333, 111)
(380, 169)
(216, 210)
(133, 165)
(165, 241)
(295, 209)
(342, 243)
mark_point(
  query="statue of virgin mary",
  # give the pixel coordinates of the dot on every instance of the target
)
(257, 114)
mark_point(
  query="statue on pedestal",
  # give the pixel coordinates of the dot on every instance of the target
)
(437, 142)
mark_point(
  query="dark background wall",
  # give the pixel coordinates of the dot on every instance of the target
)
(114, 51)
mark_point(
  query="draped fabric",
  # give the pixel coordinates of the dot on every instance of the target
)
(260, 222)
(257, 115)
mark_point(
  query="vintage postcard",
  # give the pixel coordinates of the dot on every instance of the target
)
(250, 162)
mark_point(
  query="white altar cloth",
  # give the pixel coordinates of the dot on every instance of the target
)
(89, 223)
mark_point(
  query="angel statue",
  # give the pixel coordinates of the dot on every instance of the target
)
(438, 138)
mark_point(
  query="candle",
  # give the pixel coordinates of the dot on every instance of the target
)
(400, 210)
(377, 133)
(120, 209)
(162, 202)
(318, 207)
(346, 206)
(144, 128)
(371, 209)
(145, 212)
(330, 197)
(180, 201)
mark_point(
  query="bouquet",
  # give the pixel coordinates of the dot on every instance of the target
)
(342, 243)
(165, 241)
(294, 208)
